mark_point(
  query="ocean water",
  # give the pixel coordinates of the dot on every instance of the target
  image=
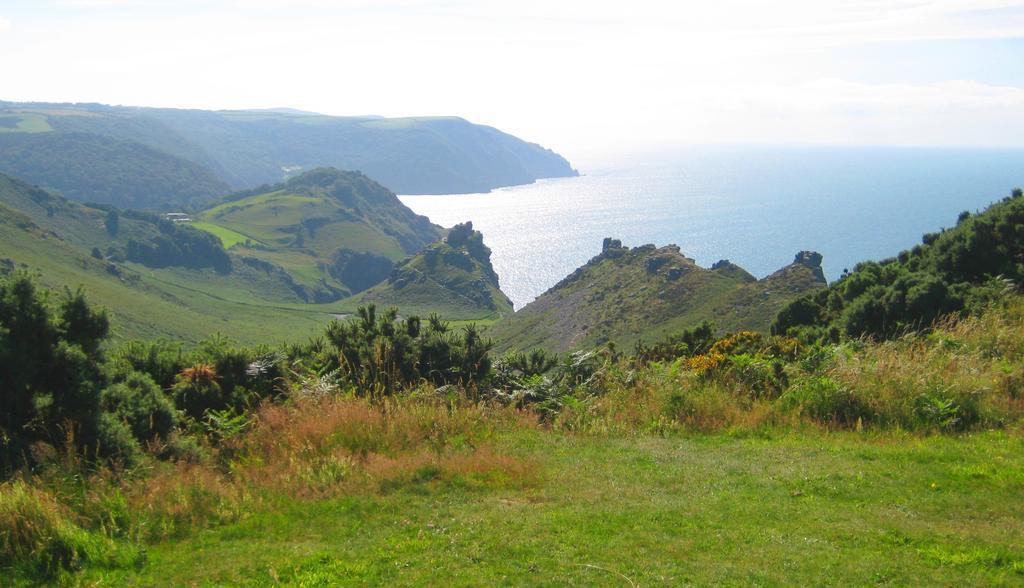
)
(754, 206)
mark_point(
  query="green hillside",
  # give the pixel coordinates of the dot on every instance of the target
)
(186, 298)
(453, 277)
(270, 264)
(956, 269)
(625, 295)
(194, 154)
(336, 233)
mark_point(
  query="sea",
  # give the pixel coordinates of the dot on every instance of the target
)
(755, 206)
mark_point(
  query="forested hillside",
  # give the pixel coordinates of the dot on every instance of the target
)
(97, 168)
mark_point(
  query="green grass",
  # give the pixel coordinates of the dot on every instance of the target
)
(227, 237)
(273, 217)
(785, 508)
(255, 202)
(356, 236)
(26, 123)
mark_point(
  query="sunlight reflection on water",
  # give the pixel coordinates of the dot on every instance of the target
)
(756, 207)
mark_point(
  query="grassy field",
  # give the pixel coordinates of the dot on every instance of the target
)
(227, 237)
(25, 122)
(797, 508)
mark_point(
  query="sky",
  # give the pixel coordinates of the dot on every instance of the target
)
(588, 78)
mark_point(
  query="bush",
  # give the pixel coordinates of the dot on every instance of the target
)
(114, 439)
(197, 391)
(182, 447)
(141, 405)
(688, 343)
(757, 377)
(956, 270)
(382, 354)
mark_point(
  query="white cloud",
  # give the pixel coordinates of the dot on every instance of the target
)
(99, 3)
(4, 24)
(576, 75)
(843, 112)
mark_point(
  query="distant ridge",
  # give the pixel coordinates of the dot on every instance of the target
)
(239, 149)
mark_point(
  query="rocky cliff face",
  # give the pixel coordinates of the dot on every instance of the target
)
(624, 294)
(453, 276)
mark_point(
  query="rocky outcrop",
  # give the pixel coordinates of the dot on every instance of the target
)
(812, 261)
(456, 269)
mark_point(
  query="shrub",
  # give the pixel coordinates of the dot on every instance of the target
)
(755, 376)
(688, 343)
(382, 354)
(825, 400)
(947, 411)
(50, 373)
(140, 404)
(198, 391)
(114, 439)
(955, 270)
(182, 447)
(161, 360)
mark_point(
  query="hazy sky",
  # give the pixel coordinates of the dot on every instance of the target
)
(584, 77)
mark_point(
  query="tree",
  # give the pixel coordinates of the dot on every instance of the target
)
(112, 222)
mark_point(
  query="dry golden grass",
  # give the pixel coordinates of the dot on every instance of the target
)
(308, 449)
(967, 372)
(323, 446)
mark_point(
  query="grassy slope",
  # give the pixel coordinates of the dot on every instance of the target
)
(798, 509)
(616, 297)
(355, 213)
(18, 122)
(54, 237)
(177, 303)
(147, 303)
(227, 237)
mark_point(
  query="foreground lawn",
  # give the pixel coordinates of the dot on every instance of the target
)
(801, 508)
